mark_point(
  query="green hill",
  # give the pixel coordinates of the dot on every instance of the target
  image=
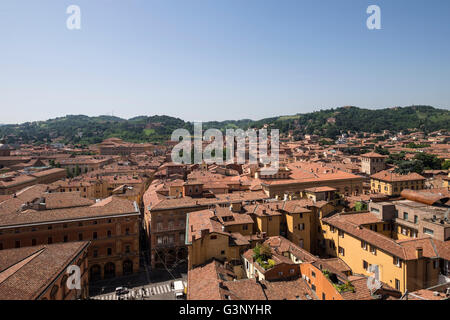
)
(80, 129)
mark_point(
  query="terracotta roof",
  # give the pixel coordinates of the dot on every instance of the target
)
(106, 207)
(320, 189)
(361, 218)
(25, 273)
(303, 172)
(429, 197)
(390, 176)
(203, 283)
(212, 282)
(373, 155)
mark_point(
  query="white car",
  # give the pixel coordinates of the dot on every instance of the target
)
(179, 289)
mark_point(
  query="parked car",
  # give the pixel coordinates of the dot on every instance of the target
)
(179, 290)
(121, 291)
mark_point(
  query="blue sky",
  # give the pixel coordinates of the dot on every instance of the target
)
(219, 59)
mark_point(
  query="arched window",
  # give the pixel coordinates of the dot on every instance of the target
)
(54, 292)
(63, 285)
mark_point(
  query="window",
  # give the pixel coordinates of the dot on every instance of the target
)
(95, 222)
(245, 227)
(313, 274)
(80, 236)
(182, 237)
(405, 215)
(50, 240)
(323, 296)
(300, 244)
(435, 264)
(341, 251)
(386, 227)
(127, 231)
(213, 237)
(109, 233)
(373, 250)
(397, 284)
(365, 265)
(301, 226)
(291, 271)
(80, 224)
(397, 262)
(94, 236)
(428, 231)
(416, 219)
(127, 248)
(364, 245)
(33, 242)
(66, 238)
(1, 246)
(341, 233)
(313, 287)
(49, 227)
(95, 253)
(404, 231)
(109, 251)
(280, 273)
(222, 252)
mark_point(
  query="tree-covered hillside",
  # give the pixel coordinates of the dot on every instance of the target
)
(79, 129)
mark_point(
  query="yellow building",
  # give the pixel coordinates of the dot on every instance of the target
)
(403, 264)
(392, 184)
(218, 234)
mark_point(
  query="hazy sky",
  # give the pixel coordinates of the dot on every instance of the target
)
(219, 59)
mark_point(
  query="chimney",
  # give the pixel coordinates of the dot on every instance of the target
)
(419, 252)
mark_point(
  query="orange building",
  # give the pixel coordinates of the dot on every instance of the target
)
(40, 272)
(35, 217)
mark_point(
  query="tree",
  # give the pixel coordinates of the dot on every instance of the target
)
(381, 151)
(77, 171)
(429, 161)
(405, 167)
(395, 158)
(360, 206)
(266, 252)
(446, 165)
